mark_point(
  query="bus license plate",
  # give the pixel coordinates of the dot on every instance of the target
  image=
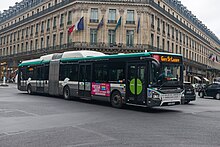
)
(170, 104)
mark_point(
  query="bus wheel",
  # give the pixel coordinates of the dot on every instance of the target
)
(66, 93)
(116, 99)
(217, 96)
(29, 89)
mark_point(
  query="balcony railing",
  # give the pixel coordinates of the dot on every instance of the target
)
(130, 22)
(112, 21)
(93, 20)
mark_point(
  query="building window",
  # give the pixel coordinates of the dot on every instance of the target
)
(112, 16)
(152, 40)
(22, 34)
(187, 41)
(130, 38)
(163, 27)
(32, 29)
(158, 24)
(54, 22)
(31, 45)
(130, 17)
(62, 20)
(172, 32)
(54, 39)
(172, 48)
(94, 15)
(177, 35)
(184, 52)
(152, 21)
(37, 26)
(184, 39)
(36, 44)
(177, 49)
(163, 44)
(22, 47)
(18, 48)
(42, 26)
(26, 46)
(61, 38)
(42, 43)
(69, 18)
(69, 39)
(26, 32)
(168, 46)
(168, 30)
(158, 42)
(14, 50)
(93, 36)
(48, 25)
(48, 42)
(111, 37)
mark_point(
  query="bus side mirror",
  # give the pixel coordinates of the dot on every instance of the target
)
(156, 64)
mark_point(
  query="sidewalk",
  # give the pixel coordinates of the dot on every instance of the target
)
(12, 85)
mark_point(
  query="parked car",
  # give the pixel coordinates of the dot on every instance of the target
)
(189, 94)
(211, 90)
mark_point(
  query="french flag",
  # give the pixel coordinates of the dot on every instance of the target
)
(78, 26)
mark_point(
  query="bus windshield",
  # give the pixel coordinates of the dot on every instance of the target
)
(169, 75)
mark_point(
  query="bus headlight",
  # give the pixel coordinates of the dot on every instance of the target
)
(155, 95)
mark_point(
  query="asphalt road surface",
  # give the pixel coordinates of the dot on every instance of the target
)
(41, 121)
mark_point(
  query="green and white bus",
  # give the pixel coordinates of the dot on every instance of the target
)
(145, 79)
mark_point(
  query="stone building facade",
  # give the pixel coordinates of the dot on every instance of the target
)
(33, 28)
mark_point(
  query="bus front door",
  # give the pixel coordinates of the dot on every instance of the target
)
(85, 78)
(136, 84)
(40, 81)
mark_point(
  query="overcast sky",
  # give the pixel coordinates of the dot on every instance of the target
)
(207, 11)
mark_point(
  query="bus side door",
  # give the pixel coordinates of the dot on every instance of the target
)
(85, 79)
(136, 83)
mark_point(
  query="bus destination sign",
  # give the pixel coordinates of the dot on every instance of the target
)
(168, 59)
(171, 59)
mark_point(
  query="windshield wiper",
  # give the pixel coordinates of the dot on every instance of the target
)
(177, 83)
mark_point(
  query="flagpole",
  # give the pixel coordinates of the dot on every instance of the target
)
(102, 34)
(121, 32)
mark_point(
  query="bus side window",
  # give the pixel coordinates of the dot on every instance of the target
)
(23, 74)
(100, 72)
(74, 72)
(117, 73)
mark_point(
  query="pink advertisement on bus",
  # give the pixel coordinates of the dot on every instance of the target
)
(102, 89)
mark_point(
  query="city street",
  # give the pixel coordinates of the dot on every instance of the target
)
(42, 121)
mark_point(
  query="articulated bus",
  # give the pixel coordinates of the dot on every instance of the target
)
(146, 79)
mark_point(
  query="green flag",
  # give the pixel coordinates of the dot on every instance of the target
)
(118, 24)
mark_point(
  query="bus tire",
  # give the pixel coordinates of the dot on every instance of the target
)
(116, 99)
(66, 93)
(29, 89)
